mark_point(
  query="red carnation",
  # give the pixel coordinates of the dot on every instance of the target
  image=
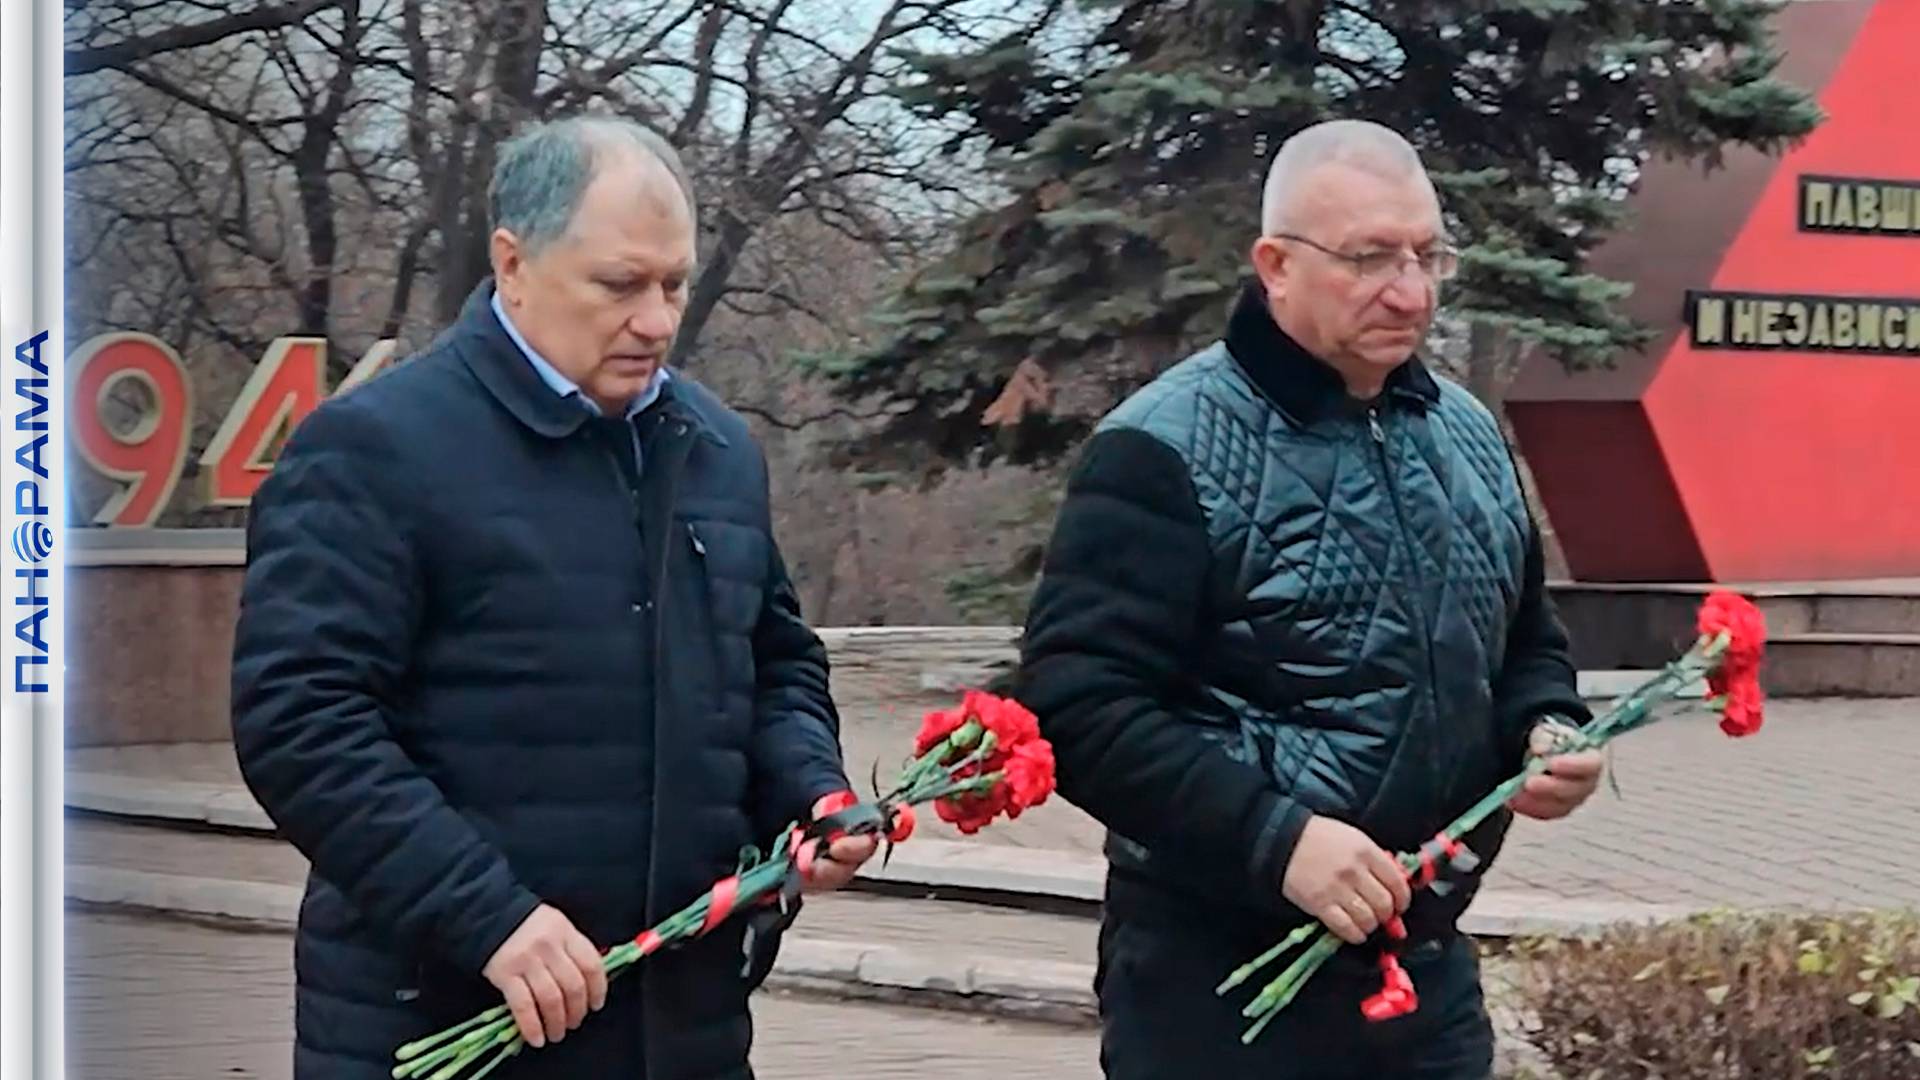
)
(1736, 681)
(1742, 713)
(937, 725)
(1745, 627)
(972, 812)
(1029, 775)
(1009, 720)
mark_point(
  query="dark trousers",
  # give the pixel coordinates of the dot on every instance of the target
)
(1161, 1019)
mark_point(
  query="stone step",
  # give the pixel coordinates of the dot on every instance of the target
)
(1032, 888)
(1629, 625)
(938, 952)
(946, 956)
(174, 826)
(901, 916)
(1843, 665)
(1861, 607)
(909, 667)
(1852, 639)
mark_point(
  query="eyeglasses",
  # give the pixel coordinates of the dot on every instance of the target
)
(1438, 263)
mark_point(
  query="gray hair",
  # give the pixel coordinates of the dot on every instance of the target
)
(1359, 143)
(542, 173)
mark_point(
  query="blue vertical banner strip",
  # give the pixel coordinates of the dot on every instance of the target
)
(32, 348)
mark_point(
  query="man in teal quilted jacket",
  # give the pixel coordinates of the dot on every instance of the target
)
(1293, 617)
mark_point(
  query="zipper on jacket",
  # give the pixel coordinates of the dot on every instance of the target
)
(1413, 558)
(675, 464)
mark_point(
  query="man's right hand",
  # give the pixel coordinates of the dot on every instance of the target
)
(1345, 880)
(550, 974)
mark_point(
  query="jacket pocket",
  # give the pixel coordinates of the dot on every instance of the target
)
(702, 622)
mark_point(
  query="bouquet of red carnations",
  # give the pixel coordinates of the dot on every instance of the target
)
(974, 762)
(1732, 636)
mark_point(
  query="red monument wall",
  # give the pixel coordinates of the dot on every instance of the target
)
(1770, 432)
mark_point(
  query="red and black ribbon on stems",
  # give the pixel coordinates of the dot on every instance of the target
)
(1727, 653)
(978, 761)
(765, 891)
(1396, 997)
(838, 815)
(1442, 856)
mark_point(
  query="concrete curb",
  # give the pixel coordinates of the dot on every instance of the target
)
(1023, 988)
(993, 870)
(1507, 913)
(1013, 986)
(257, 904)
(218, 805)
(1019, 877)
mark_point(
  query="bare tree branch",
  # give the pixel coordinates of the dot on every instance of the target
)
(836, 413)
(84, 61)
(258, 128)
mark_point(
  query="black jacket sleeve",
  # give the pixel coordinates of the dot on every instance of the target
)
(796, 740)
(330, 604)
(1114, 629)
(1538, 678)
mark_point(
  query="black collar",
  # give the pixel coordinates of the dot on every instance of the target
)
(500, 366)
(1303, 386)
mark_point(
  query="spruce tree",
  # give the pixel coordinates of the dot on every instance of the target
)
(1133, 140)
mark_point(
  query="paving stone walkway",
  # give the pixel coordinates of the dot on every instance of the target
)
(1816, 810)
(157, 999)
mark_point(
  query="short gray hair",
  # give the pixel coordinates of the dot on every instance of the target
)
(1359, 143)
(542, 173)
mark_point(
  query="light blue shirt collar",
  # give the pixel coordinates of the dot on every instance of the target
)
(566, 387)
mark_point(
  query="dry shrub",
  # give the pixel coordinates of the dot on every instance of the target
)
(1727, 995)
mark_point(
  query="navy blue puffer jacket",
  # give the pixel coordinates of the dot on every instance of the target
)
(480, 666)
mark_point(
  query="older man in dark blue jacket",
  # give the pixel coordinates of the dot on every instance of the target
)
(519, 667)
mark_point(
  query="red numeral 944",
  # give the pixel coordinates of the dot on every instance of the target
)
(286, 386)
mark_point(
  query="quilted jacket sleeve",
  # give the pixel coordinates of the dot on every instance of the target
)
(1538, 678)
(796, 740)
(331, 601)
(1114, 623)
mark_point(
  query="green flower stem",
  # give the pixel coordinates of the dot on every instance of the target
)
(1245, 971)
(1281, 992)
(927, 778)
(447, 1054)
(506, 1052)
(467, 1046)
(504, 1044)
(452, 1050)
(1628, 714)
(929, 763)
(420, 1046)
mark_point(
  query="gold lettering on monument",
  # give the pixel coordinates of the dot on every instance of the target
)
(1796, 332)
(1896, 208)
(1873, 207)
(1710, 321)
(1772, 322)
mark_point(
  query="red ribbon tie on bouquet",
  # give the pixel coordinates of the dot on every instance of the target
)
(1396, 997)
(720, 902)
(1440, 847)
